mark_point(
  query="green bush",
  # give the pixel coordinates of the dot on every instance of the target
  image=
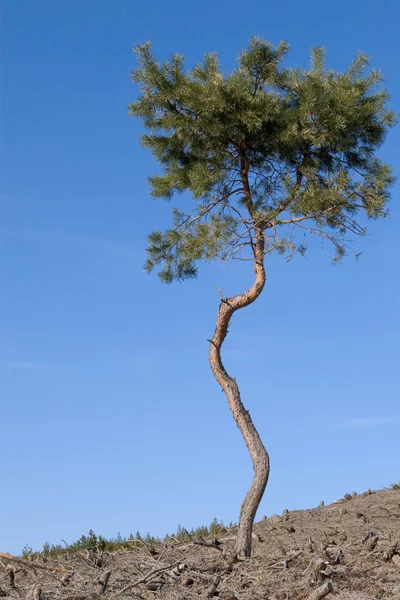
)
(98, 543)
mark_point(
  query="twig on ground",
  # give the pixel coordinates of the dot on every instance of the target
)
(146, 578)
(202, 542)
(214, 586)
(282, 562)
(103, 580)
(33, 565)
(322, 591)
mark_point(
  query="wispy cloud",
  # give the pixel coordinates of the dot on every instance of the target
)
(145, 364)
(83, 242)
(91, 244)
(28, 366)
(238, 353)
(366, 421)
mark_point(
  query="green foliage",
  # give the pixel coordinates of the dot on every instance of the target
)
(98, 543)
(27, 551)
(91, 542)
(213, 529)
(304, 141)
(216, 526)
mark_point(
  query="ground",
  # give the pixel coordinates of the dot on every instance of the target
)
(349, 550)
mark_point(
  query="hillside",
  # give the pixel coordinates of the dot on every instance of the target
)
(349, 550)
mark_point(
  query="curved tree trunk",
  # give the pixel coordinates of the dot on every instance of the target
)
(242, 417)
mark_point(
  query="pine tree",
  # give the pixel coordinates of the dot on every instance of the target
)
(267, 153)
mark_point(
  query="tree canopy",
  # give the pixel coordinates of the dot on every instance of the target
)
(306, 139)
(265, 152)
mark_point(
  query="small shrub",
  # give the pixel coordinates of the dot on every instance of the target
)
(98, 543)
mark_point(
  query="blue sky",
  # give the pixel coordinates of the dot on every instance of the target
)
(111, 419)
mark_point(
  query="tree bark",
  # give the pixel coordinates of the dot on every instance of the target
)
(242, 417)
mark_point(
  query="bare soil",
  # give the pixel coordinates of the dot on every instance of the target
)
(349, 550)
